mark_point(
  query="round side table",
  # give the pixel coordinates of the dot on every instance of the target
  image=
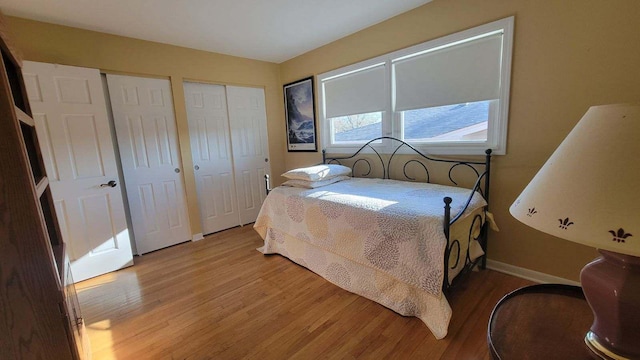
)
(547, 321)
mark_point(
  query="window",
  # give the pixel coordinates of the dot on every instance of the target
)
(458, 122)
(445, 96)
(356, 128)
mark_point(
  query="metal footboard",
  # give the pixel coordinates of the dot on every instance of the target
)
(479, 169)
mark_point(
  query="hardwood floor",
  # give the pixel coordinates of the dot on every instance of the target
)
(219, 298)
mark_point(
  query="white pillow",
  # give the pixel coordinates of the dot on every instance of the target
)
(314, 184)
(318, 172)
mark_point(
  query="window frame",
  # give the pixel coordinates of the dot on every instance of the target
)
(392, 119)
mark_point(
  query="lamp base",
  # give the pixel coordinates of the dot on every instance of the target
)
(600, 350)
(611, 285)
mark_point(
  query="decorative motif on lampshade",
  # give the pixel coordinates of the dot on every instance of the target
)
(589, 189)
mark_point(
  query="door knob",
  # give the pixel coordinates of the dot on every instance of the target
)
(176, 170)
(111, 183)
(197, 167)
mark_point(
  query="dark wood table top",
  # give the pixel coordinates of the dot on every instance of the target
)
(546, 321)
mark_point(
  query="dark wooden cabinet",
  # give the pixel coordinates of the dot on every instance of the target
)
(39, 313)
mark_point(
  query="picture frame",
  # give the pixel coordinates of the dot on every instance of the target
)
(300, 115)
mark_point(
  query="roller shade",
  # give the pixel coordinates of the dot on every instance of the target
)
(356, 93)
(466, 72)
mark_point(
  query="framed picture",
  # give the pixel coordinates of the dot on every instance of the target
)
(300, 113)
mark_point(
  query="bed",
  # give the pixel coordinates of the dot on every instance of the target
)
(402, 243)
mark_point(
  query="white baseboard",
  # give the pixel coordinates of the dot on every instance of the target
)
(197, 237)
(535, 276)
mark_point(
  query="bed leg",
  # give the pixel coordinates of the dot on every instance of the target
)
(267, 183)
(487, 178)
(447, 251)
(485, 228)
(485, 235)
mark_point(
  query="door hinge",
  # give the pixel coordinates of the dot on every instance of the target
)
(63, 310)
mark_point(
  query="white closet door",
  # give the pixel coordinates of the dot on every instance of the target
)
(73, 130)
(148, 142)
(211, 151)
(248, 123)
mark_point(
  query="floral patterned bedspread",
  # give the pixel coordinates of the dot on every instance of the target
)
(387, 231)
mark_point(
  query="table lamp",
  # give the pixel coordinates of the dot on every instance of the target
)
(589, 192)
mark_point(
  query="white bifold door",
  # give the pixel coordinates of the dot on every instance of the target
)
(211, 151)
(74, 135)
(148, 142)
(248, 123)
(228, 133)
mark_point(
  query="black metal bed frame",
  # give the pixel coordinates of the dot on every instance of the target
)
(453, 245)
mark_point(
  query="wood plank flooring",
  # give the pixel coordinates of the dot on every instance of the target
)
(219, 298)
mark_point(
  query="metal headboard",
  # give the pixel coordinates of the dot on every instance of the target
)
(396, 145)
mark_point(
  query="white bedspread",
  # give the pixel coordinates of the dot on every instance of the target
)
(382, 239)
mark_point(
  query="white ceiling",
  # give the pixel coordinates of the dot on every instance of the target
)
(269, 30)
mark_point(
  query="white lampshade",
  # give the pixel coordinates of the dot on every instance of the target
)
(589, 189)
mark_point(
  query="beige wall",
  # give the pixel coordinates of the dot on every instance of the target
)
(568, 55)
(70, 46)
